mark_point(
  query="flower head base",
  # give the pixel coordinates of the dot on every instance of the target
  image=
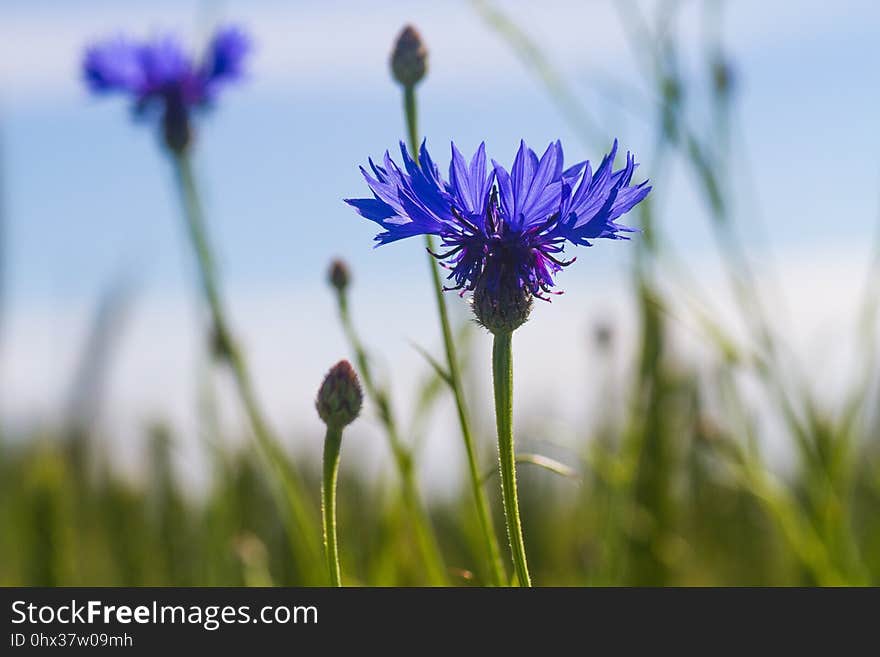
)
(502, 233)
(502, 310)
(340, 396)
(163, 79)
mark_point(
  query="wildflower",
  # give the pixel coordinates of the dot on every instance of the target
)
(503, 233)
(340, 396)
(163, 79)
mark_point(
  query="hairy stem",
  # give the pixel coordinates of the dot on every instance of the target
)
(332, 443)
(502, 375)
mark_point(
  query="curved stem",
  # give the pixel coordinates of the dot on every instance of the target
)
(490, 540)
(300, 521)
(502, 375)
(332, 443)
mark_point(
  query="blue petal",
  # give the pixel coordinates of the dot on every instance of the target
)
(540, 198)
(505, 188)
(373, 209)
(224, 59)
(424, 184)
(470, 186)
(459, 179)
(599, 199)
(113, 65)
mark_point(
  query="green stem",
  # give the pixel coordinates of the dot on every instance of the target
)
(502, 375)
(332, 442)
(490, 540)
(412, 122)
(421, 523)
(300, 522)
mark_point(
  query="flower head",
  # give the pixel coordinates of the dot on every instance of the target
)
(164, 79)
(502, 232)
(340, 397)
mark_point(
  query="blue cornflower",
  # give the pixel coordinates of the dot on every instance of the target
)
(164, 79)
(503, 233)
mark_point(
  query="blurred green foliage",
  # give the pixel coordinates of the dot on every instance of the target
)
(659, 498)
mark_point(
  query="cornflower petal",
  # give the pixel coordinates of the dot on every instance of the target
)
(502, 232)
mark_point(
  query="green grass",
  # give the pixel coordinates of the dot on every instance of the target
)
(661, 496)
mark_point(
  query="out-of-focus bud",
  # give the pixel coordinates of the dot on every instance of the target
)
(339, 275)
(672, 89)
(502, 310)
(340, 396)
(709, 435)
(723, 76)
(603, 334)
(222, 345)
(707, 431)
(409, 59)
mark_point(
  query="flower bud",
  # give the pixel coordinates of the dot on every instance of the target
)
(339, 275)
(723, 76)
(502, 309)
(409, 59)
(603, 334)
(340, 396)
(222, 345)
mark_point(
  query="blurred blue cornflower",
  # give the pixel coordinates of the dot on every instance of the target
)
(502, 232)
(163, 79)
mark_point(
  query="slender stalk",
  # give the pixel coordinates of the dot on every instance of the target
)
(410, 111)
(421, 523)
(490, 540)
(502, 375)
(332, 442)
(300, 522)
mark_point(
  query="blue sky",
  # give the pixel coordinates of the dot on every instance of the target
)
(90, 196)
(89, 193)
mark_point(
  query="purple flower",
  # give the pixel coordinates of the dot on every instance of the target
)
(502, 231)
(162, 78)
